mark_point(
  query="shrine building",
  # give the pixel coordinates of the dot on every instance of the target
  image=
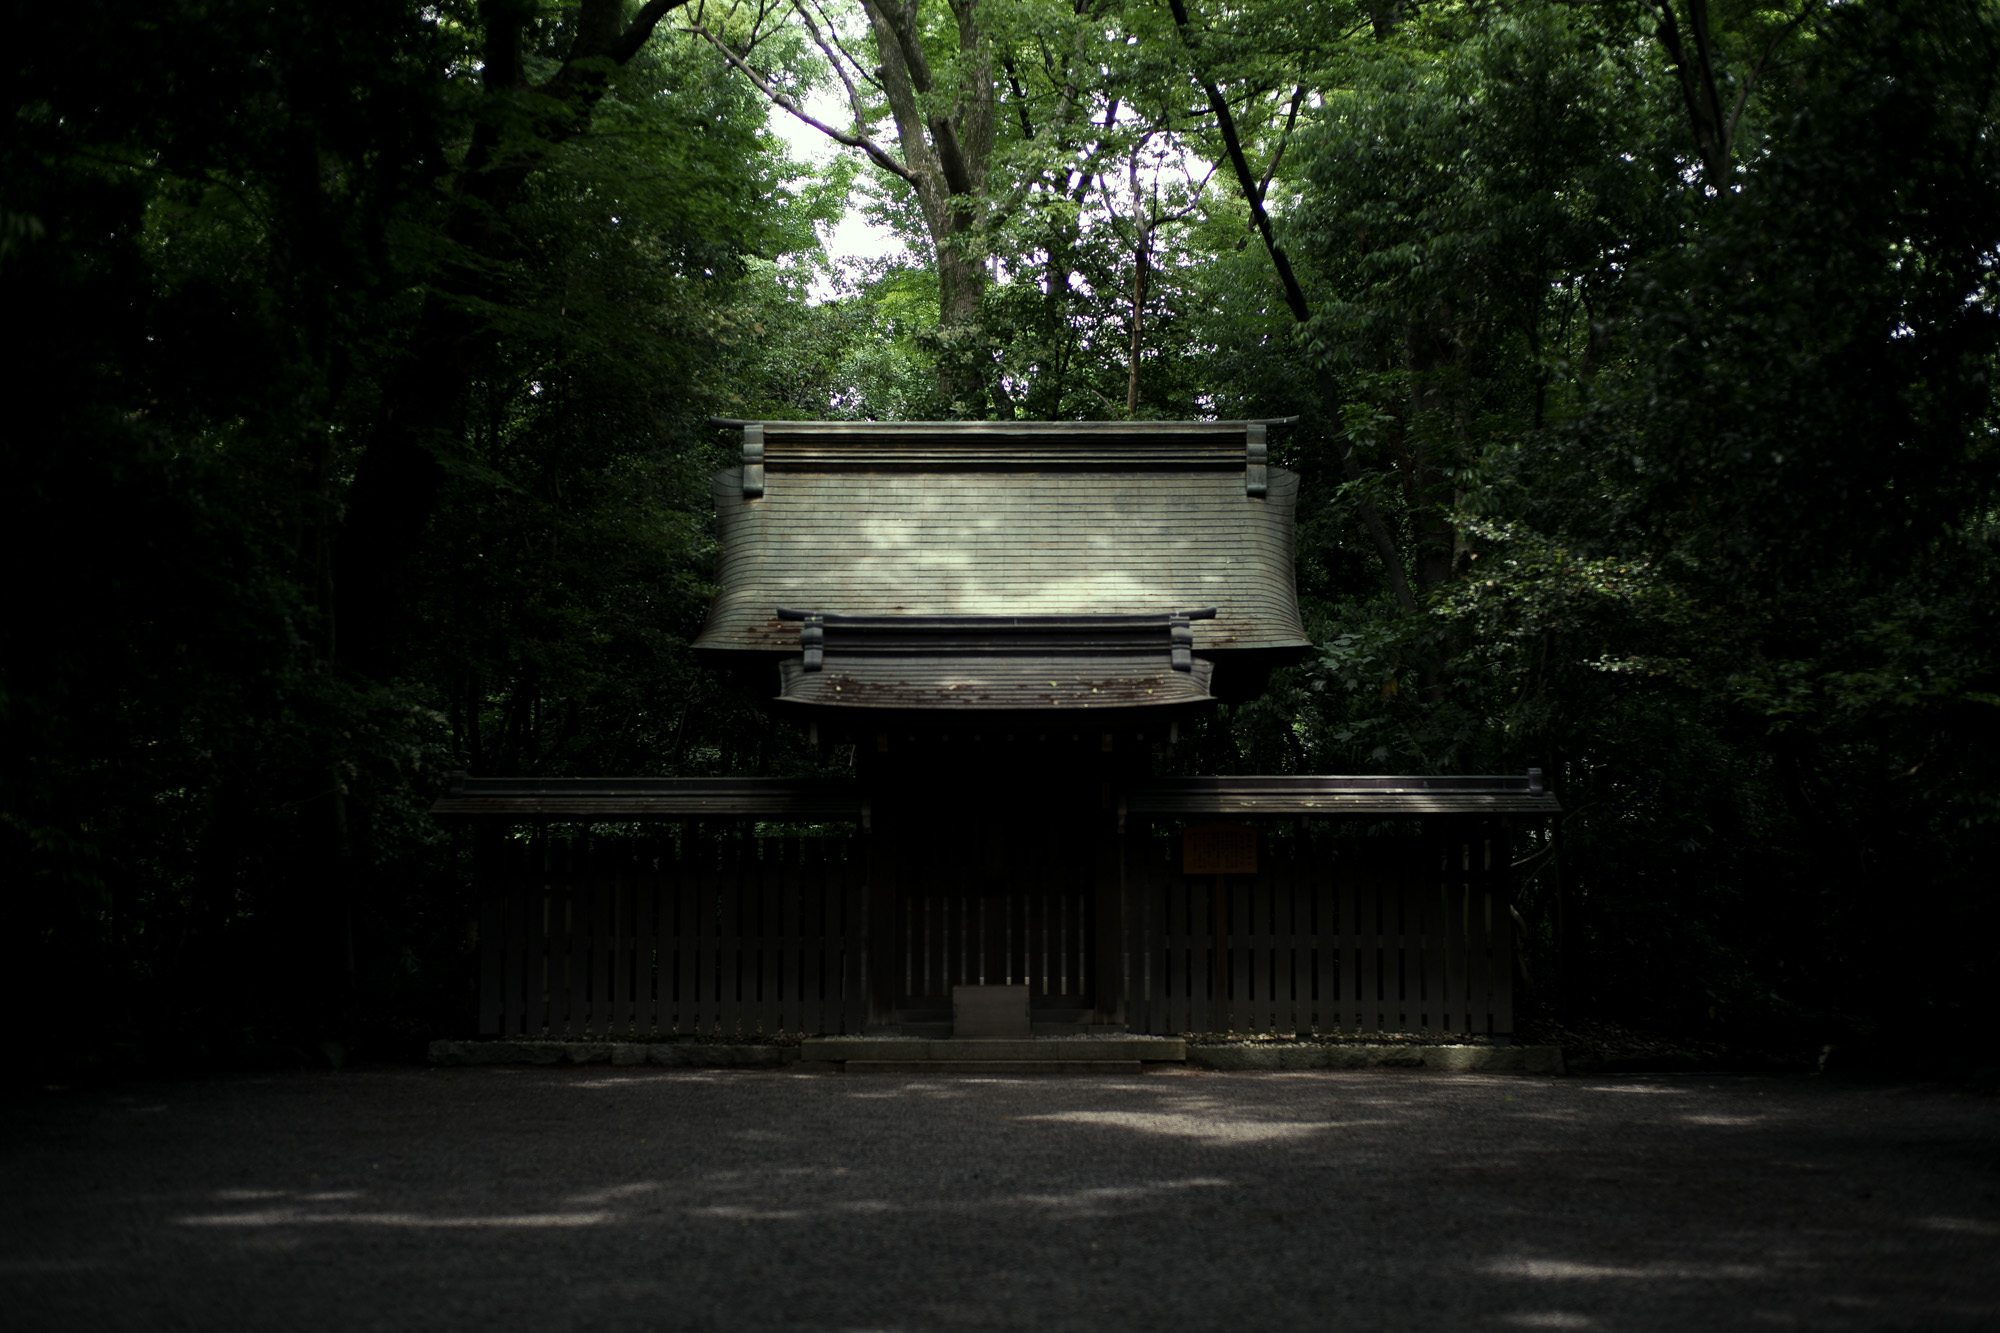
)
(1007, 626)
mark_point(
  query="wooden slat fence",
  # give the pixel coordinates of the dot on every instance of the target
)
(1368, 935)
(679, 934)
(631, 937)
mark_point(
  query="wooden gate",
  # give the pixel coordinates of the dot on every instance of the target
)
(617, 937)
(1349, 935)
(995, 902)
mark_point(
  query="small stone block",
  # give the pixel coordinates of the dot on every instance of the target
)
(989, 1011)
(628, 1053)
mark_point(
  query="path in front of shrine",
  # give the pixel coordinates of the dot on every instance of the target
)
(596, 1199)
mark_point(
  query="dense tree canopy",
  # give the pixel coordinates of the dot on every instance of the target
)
(1644, 352)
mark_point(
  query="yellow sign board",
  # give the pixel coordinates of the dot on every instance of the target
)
(1219, 849)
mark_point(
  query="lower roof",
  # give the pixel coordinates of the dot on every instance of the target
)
(996, 664)
(996, 684)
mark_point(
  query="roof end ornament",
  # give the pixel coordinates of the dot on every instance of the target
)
(812, 639)
(753, 460)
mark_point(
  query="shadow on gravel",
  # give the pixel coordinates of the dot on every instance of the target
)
(592, 1199)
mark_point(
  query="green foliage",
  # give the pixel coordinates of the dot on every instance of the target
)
(1720, 508)
(1694, 485)
(226, 232)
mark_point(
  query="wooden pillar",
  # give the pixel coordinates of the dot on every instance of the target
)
(1506, 947)
(1221, 1015)
(1108, 904)
(884, 938)
(1569, 987)
(488, 889)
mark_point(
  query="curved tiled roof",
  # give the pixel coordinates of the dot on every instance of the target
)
(1011, 518)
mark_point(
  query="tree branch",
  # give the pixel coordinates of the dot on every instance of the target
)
(901, 23)
(965, 138)
(1284, 141)
(1704, 50)
(1062, 120)
(1757, 70)
(1246, 179)
(778, 98)
(837, 56)
(1020, 96)
(853, 62)
(1702, 117)
(951, 155)
(602, 35)
(1199, 187)
(902, 86)
(641, 29)
(1295, 298)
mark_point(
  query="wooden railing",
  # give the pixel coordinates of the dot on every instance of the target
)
(617, 937)
(1388, 935)
(639, 937)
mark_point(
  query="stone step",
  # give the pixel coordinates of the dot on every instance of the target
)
(987, 1050)
(920, 1068)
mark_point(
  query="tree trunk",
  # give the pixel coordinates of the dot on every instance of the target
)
(397, 483)
(1140, 255)
(947, 157)
(965, 362)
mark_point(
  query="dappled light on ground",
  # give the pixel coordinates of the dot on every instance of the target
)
(1571, 1270)
(296, 1217)
(1211, 1129)
(536, 1199)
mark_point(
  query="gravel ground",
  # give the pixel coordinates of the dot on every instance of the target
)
(594, 1198)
